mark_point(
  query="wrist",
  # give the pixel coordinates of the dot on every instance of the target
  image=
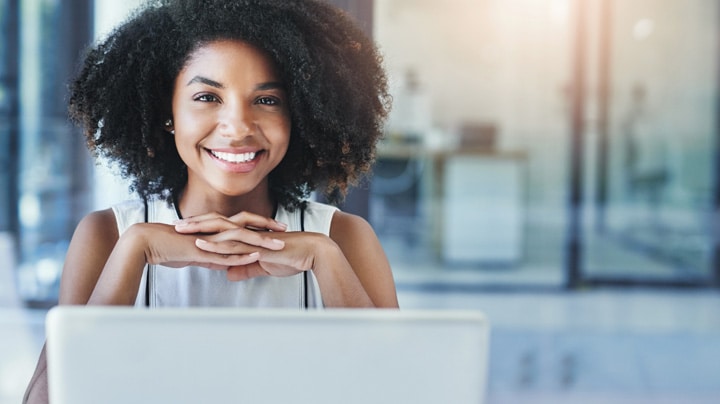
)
(134, 242)
(325, 254)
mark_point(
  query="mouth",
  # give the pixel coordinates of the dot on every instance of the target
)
(235, 158)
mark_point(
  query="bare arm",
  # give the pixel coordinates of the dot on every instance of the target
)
(361, 271)
(350, 265)
(89, 248)
(104, 268)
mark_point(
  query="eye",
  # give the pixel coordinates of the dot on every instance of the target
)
(206, 98)
(268, 101)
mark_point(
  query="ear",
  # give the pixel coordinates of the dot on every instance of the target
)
(169, 126)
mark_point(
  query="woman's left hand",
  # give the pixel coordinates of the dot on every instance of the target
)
(249, 234)
(349, 264)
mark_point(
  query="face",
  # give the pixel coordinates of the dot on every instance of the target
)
(231, 119)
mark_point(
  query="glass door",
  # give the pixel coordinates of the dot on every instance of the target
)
(650, 142)
(53, 161)
(470, 189)
(8, 112)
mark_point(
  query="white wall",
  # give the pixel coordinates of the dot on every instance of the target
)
(505, 62)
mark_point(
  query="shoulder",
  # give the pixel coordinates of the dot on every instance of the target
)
(91, 244)
(347, 228)
(98, 221)
(363, 251)
(94, 230)
(121, 215)
(334, 220)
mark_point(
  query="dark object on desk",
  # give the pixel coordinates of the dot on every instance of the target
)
(478, 136)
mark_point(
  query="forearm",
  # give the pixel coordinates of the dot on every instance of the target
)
(339, 285)
(37, 390)
(120, 279)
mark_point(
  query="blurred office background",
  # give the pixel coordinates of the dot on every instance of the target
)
(554, 163)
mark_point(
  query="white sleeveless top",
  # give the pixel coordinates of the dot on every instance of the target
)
(196, 286)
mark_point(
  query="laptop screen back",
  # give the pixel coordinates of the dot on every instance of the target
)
(125, 355)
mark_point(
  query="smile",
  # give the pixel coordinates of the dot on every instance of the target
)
(234, 157)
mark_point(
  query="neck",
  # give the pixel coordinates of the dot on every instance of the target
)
(258, 202)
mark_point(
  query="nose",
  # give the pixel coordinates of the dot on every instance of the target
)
(236, 121)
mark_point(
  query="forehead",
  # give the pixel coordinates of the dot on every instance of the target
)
(229, 56)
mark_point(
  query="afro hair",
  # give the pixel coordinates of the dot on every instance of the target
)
(336, 86)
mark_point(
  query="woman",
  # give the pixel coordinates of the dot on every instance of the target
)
(225, 115)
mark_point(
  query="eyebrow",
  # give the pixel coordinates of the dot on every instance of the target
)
(270, 85)
(205, 80)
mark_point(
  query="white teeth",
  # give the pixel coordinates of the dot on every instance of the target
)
(234, 157)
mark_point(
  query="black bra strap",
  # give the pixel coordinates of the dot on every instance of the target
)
(146, 209)
(149, 267)
(306, 282)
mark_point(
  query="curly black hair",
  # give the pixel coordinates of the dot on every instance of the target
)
(336, 86)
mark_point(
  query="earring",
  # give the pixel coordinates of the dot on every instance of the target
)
(169, 126)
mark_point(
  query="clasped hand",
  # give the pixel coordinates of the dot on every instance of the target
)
(245, 245)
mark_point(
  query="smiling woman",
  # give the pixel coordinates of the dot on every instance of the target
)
(331, 73)
(231, 121)
(229, 128)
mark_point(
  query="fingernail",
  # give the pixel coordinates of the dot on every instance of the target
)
(283, 225)
(278, 242)
(254, 255)
(200, 241)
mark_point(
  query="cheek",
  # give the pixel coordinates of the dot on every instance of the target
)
(190, 128)
(188, 119)
(185, 144)
(276, 129)
(182, 149)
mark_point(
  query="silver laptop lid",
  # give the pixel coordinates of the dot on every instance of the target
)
(125, 355)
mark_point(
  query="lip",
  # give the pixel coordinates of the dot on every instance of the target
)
(235, 167)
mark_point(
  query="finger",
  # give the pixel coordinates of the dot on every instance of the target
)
(208, 225)
(239, 241)
(206, 216)
(242, 219)
(247, 219)
(220, 223)
(244, 272)
(225, 261)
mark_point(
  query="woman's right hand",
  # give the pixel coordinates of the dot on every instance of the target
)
(176, 246)
(162, 244)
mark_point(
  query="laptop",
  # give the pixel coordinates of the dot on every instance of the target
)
(258, 356)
